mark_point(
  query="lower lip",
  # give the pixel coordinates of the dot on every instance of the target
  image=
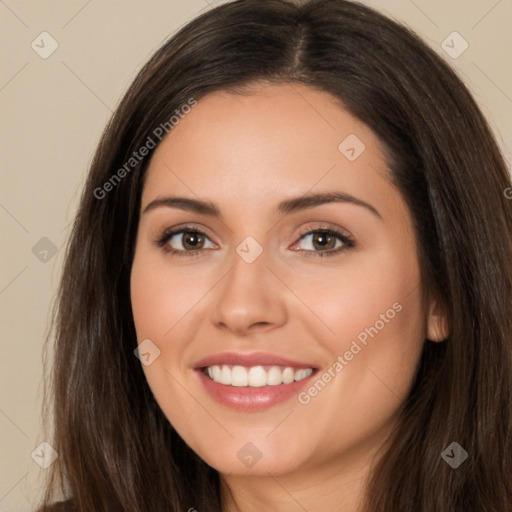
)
(248, 399)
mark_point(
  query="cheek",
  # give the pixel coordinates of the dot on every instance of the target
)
(146, 297)
(168, 305)
(366, 293)
(162, 296)
(379, 334)
(373, 312)
(161, 299)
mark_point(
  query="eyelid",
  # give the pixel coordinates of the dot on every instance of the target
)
(185, 227)
(162, 237)
(346, 239)
(325, 226)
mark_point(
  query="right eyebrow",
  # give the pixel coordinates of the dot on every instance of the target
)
(184, 203)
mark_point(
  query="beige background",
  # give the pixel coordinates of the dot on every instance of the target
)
(53, 111)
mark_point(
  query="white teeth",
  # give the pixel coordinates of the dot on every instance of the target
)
(256, 376)
(239, 376)
(302, 374)
(216, 373)
(274, 376)
(288, 375)
(225, 375)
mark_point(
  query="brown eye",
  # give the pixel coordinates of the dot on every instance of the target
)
(325, 242)
(192, 240)
(183, 241)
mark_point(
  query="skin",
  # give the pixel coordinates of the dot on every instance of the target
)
(246, 153)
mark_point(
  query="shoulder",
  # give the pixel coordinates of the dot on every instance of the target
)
(61, 506)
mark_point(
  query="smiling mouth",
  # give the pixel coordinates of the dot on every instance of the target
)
(255, 376)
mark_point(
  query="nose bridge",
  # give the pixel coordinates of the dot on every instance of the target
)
(248, 269)
(249, 293)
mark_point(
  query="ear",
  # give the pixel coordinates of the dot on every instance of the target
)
(437, 322)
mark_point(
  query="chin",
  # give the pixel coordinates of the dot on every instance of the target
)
(253, 458)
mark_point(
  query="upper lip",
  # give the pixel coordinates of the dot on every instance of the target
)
(253, 359)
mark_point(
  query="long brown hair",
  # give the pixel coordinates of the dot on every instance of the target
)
(117, 451)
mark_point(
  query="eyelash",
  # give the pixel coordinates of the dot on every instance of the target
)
(166, 235)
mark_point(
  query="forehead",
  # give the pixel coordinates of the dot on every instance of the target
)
(270, 142)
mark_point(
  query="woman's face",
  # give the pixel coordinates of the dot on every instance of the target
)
(251, 303)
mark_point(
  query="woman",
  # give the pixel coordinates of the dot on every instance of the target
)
(254, 373)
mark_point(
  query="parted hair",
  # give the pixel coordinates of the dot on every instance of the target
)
(117, 450)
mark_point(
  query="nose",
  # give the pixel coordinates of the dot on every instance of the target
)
(250, 298)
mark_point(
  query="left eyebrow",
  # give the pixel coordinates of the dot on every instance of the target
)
(296, 204)
(286, 207)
